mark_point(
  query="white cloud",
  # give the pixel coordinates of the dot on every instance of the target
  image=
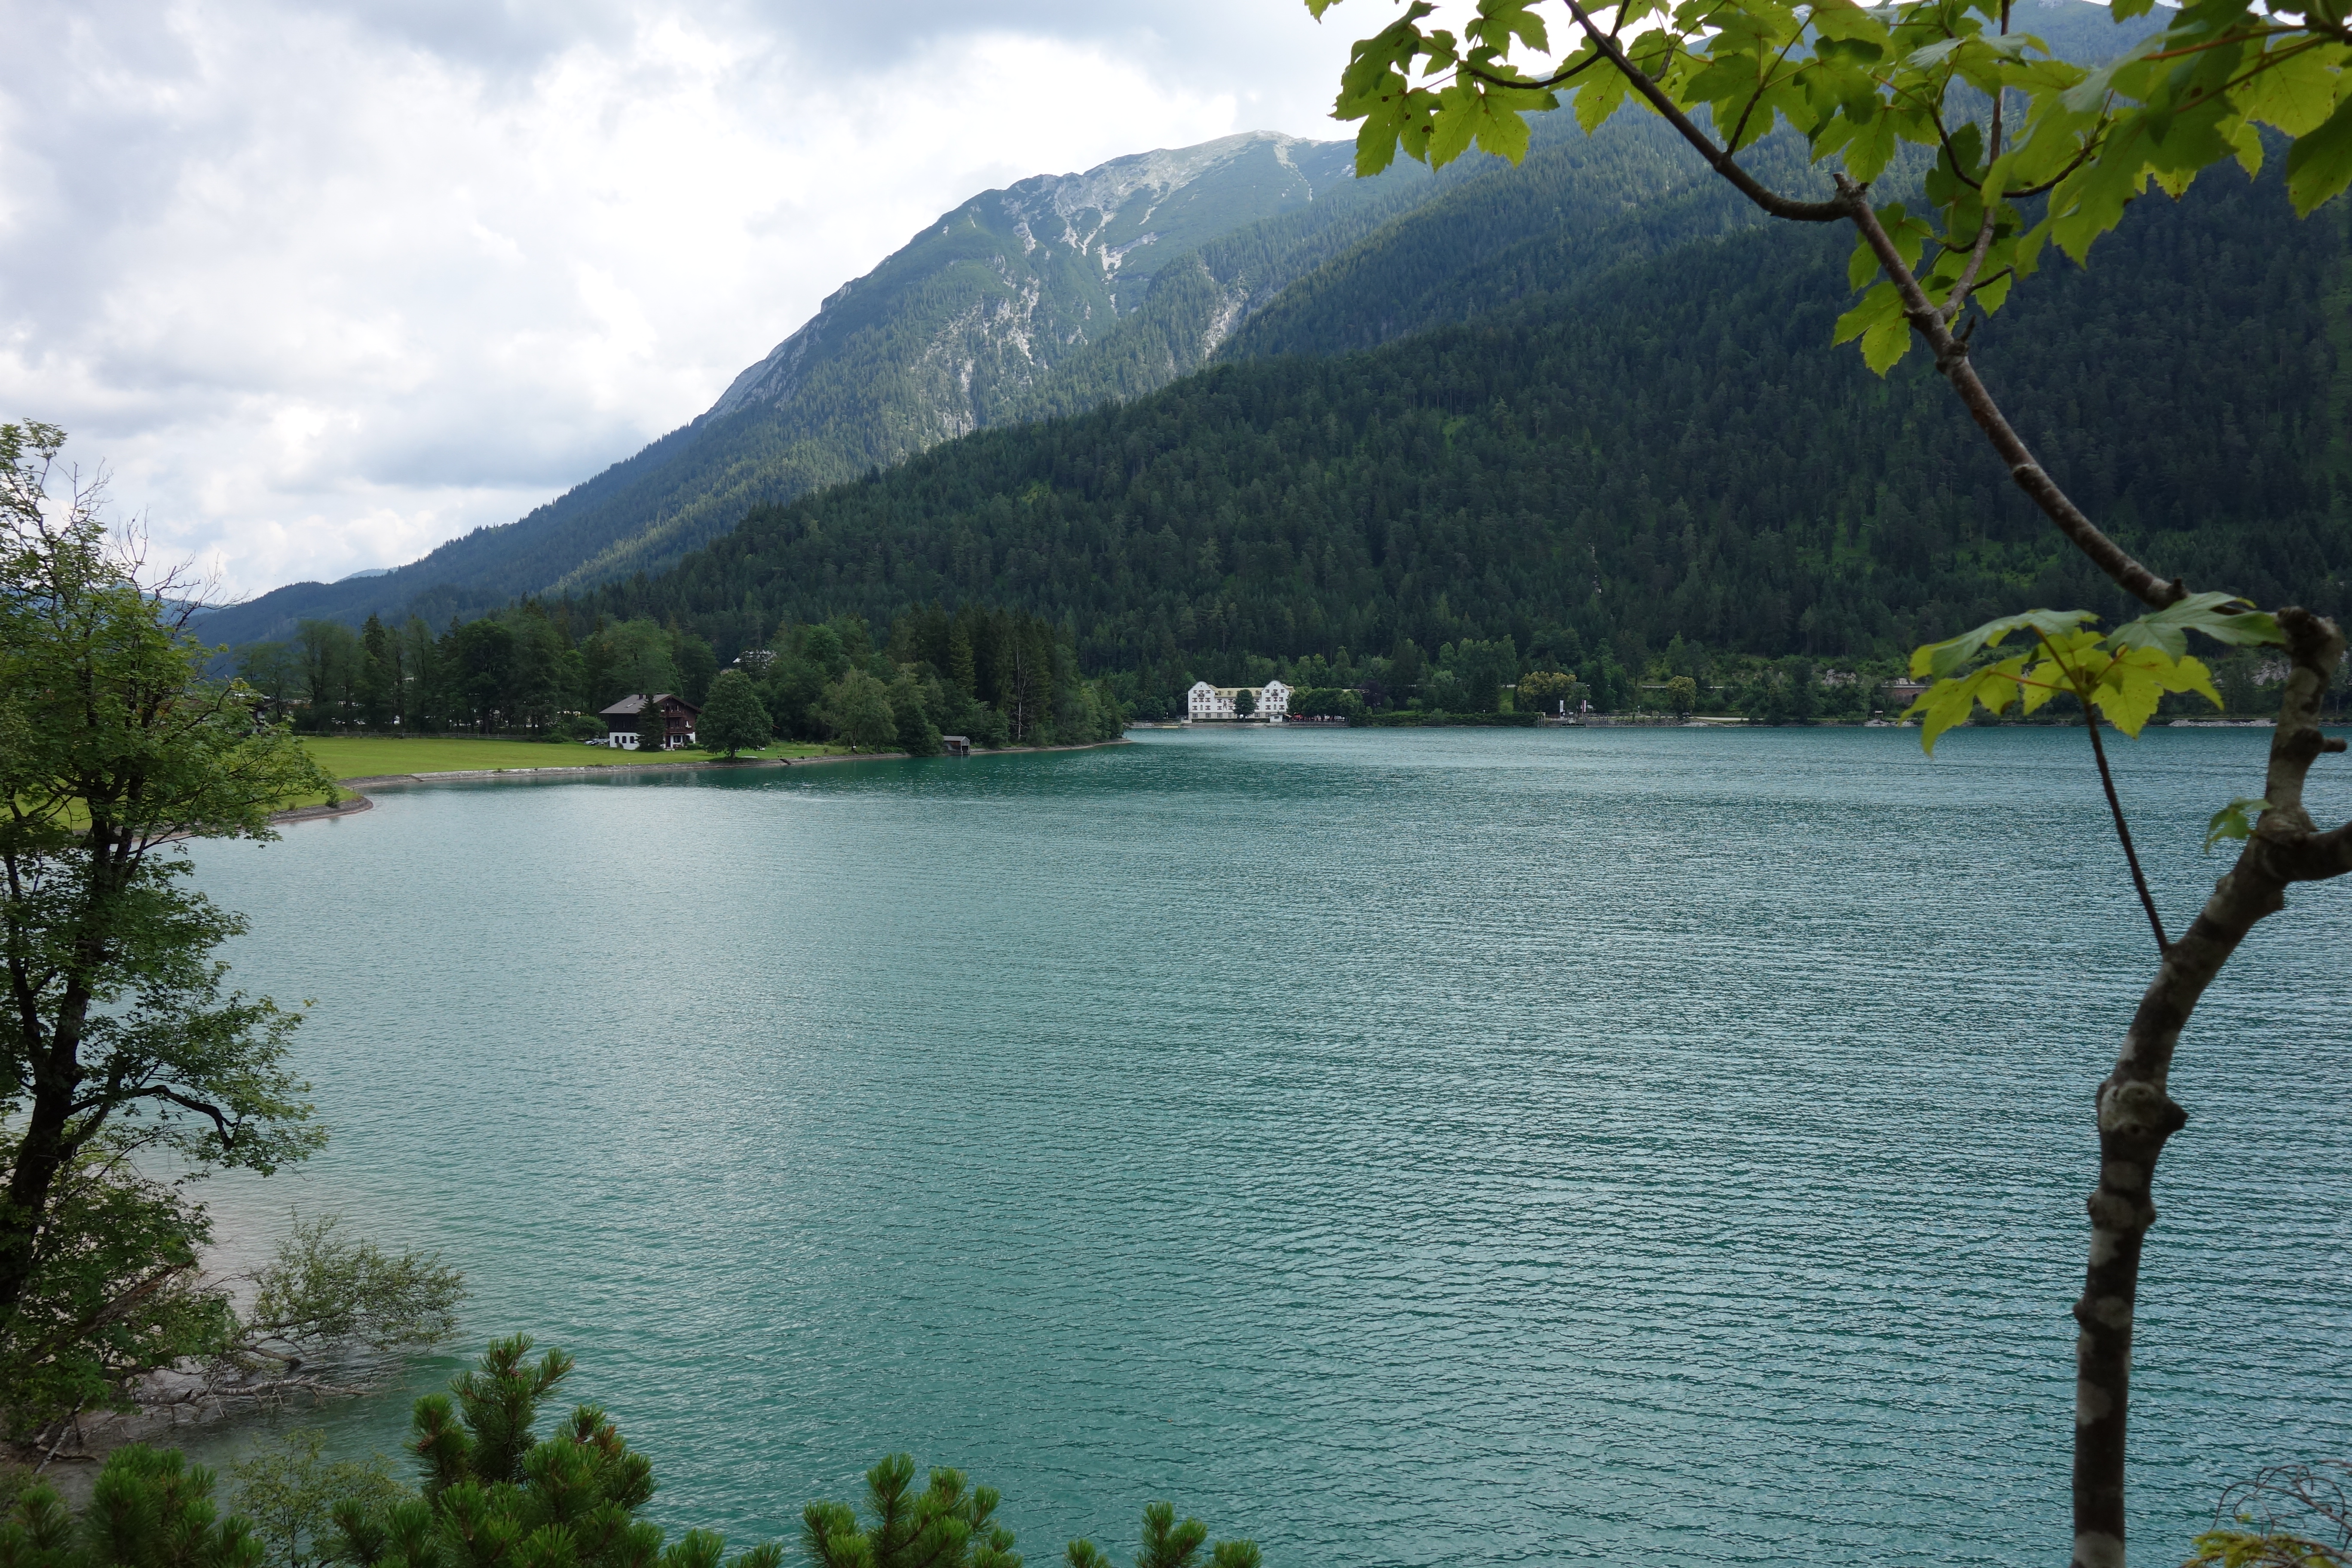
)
(326, 288)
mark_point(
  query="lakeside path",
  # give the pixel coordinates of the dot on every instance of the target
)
(361, 801)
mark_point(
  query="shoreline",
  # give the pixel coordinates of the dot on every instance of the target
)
(361, 784)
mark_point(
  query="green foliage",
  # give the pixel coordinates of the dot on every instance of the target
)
(495, 1495)
(2233, 821)
(1472, 674)
(1328, 703)
(914, 731)
(521, 669)
(630, 657)
(1018, 684)
(733, 720)
(697, 667)
(288, 1490)
(857, 709)
(148, 1508)
(120, 1037)
(115, 1290)
(1859, 83)
(1343, 513)
(1546, 691)
(2287, 1516)
(322, 1289)
(2123, 675)
(1170, 1544)
(2263, 1549)
(945, 1525)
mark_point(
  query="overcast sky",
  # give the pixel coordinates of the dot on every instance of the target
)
(326, 285)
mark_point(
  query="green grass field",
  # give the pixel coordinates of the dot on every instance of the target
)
(368, 756)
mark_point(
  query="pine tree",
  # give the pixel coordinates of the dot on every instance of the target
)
(376, 678)
(150, 1508)
(653, 724)
(1168, 1544)
(961, 667)
(943, 1526)
(488, 1477)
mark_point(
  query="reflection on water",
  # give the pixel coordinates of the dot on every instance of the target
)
(1400, 1147)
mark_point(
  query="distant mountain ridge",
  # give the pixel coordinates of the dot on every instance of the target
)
(1091, 216)
(1669, 449)
(1061, 293)
(1034, 300)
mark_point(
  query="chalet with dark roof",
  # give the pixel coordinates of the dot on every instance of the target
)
(626, 720)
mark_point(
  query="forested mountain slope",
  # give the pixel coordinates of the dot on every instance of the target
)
(1575, 207)
(1039, 299)
(1671, 449)
(1064, 292)
(965, 328)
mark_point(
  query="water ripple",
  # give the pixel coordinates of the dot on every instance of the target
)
(1404, 1148)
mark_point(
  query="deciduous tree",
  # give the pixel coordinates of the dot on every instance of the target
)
(857, 711)
(2022, 149)
(733, 720)
(118, 1034)
(289, 1489)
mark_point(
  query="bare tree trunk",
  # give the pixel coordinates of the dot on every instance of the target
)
(2135, 1109)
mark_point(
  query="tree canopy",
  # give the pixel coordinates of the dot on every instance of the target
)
(119, 1036)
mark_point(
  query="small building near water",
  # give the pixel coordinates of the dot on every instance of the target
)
(957, 745)
(1269, 703)
(624, 720)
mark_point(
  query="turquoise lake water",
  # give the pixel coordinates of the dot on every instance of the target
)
(1398, 1147)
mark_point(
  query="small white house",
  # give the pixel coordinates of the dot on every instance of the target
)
(1270, 703)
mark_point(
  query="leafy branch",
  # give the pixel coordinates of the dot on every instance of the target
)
(1857, 82)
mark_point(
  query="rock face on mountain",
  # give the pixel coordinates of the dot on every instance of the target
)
(1041, 298)
(1064, 292)
(1035, 275)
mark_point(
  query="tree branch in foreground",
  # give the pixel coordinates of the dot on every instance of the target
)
(1718, 158)
(2135, 1110)
(1952, 360)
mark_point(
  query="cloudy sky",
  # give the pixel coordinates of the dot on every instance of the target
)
(324, 285)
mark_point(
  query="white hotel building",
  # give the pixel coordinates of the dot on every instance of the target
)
(1271, 702)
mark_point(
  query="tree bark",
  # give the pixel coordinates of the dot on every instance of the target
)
(2136, 1112)
(51, 1140)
